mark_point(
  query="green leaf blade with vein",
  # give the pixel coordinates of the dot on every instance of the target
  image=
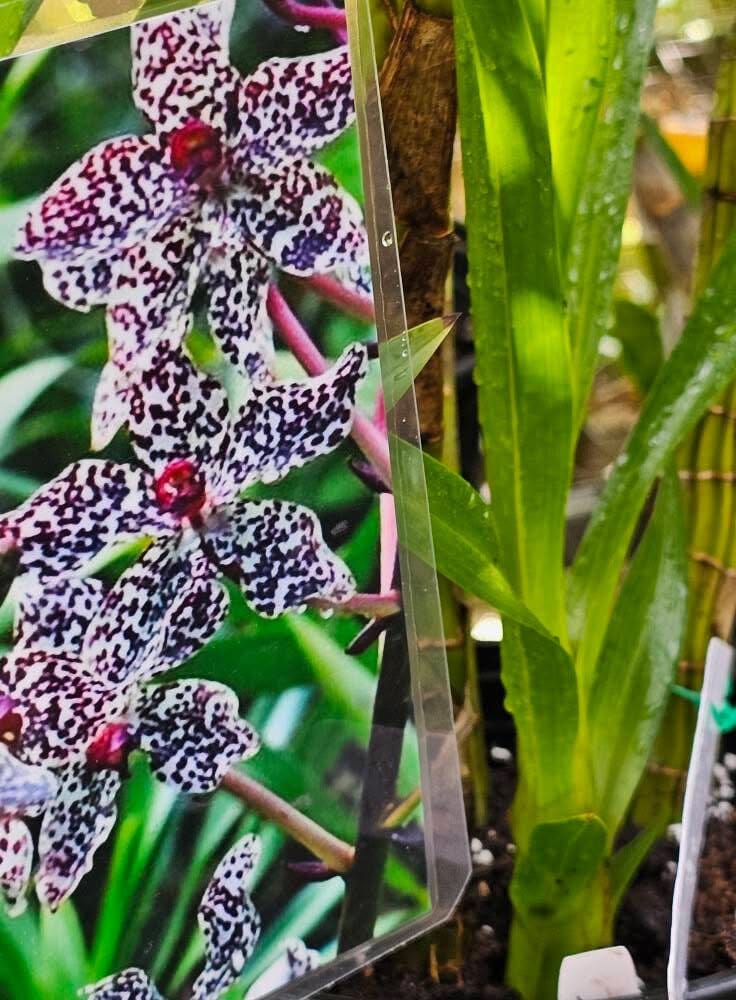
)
(701, 365)
(603, 186)
(563, 858)
(463, 546)
(577, 62)
(21, 387)
(626, 863)
(401, 362)
(639, 657)
(642, 354)
(541, 694)
(522, 352)
(15, 17)
(688, 184)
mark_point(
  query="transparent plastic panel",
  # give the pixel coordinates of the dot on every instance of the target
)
(228, 763)
(31, 25)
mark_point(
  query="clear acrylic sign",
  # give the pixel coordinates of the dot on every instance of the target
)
(228, 764)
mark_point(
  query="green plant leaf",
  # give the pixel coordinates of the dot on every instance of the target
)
(147, 809)
(626, 862)
(638, 658)
(522, 351)
(701, 365)
(560, 863)
(593, 168)
(19, 970)
(61, 943)
(463, 543)
(342, 679)
(535, 12)
(21, 387)
(15, 16)
(637, 330)
(401, 362)
(685, 180)
(20, 75)
(297, 920)
(541, 694)
(577, 62)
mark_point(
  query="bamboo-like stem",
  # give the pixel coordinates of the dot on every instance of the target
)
(347, 299)
(327, 17)
(369, 438)
(707, 464)
(335, 853)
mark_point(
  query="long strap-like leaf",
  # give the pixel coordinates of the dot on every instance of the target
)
(596, 58)
(14, 19)
(707, 463)
(522, 351)
(702, 364)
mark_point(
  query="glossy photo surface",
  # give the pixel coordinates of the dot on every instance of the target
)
(199, 554)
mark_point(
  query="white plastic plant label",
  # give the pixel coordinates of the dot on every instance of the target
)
(718, 669)
(227, 759)
(594, 975)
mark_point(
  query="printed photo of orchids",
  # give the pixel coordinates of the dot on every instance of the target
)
(199, 557)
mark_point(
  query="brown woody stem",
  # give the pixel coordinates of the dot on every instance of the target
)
(336, 854)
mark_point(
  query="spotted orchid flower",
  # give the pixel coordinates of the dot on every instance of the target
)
(194, 458)
(75, 698)
(221, 191)
(295, 961)
(231, 927)
(24, 791)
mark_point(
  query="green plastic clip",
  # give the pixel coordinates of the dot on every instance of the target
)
(724, 715)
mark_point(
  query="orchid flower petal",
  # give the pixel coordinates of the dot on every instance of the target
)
(85, 508)
(24, 788)
(61, 705)
(110, 405)
(152, 291)
(177, 412)
(193, 733)
(75, 824)
(296, 961)
(282, 426)
(299, 218)
(193, 617)
(16, 861)
(276, 551)
(229, 921)
(125, 638)
(237, 284)
(132, 984)
(55, 615)
(111, 198)
(289, 108)
(80, 284)
(181, 69)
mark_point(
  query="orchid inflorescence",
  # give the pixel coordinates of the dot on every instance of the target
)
(219, 193)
